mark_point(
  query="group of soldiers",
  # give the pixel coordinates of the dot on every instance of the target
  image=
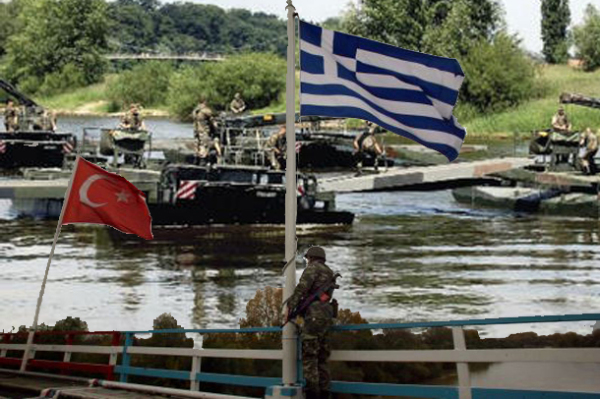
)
(43, 120)
(208, 145)
(588, 140)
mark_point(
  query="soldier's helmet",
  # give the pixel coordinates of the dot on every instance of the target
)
(315, 252)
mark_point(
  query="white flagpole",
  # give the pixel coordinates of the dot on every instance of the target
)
(289, 373)
(43, 288)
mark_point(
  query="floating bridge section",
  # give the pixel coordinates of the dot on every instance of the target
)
(404, 178)
(121, 348)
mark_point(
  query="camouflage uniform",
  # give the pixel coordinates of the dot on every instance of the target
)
(365, 144)
(276, 146)
(10, 118)
(203, 129)
(590, 141)
(315, 331)
(132, 120)
(237, 105)
(560, 122)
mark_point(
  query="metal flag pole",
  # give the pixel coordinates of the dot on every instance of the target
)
(289, 373)
(43, 288)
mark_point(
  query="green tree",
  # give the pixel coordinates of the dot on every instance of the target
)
(8, 22)
(499, 75)
(556, 18)
(54, 33)
(397, 22)
(134, 86)
(587, 39)
(453, 28)
(260, 78)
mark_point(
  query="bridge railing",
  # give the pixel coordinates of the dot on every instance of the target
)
(460, 355)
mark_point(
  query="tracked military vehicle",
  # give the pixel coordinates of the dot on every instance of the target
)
(32, 144)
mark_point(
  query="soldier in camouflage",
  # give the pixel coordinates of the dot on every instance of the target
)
(366, 144)
(560, 122)
(237, 106)
(132, 119)
(318, 318)
(275, 146)
(10, 117)
(589, 142)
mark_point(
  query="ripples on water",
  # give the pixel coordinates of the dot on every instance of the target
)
(408, 257)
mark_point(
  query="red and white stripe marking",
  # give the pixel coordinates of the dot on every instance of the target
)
(2, 147)
(300, 190)
(67, 147)
(298, 147)
(187, 189)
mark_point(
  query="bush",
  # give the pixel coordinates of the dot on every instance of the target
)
(498, 75)
(587, 39)
(69, 77)
(260, 78)
(146, 84)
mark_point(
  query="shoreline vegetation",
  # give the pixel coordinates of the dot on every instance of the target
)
(94, 101)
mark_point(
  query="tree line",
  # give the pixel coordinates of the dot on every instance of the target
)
(52, 46)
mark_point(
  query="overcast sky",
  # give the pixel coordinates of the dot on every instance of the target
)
(523, 16)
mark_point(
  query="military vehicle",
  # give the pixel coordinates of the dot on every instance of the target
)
(189, 195)
(244, 137)
(560, 152)
(31, 145)
(555, 185)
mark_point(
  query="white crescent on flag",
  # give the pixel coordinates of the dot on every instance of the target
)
(83, 191)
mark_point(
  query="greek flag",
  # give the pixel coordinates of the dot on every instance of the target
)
(409, 93)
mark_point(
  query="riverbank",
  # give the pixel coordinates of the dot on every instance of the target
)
(532, 115)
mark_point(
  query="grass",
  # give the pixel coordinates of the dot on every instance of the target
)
(92, 97)
(537, 114)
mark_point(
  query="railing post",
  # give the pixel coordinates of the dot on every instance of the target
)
(464, 378)
(126, 357)
(6, 340)
(67, 356)
(196, 365)
(112, 360)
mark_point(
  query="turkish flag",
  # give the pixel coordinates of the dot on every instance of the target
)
(101, 197)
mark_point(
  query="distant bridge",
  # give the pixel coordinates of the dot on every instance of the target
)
(196, 57)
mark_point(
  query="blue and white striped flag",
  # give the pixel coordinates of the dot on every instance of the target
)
(409, 93)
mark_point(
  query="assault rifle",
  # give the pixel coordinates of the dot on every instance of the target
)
(320, 294)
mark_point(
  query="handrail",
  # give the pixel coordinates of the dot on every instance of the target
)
(460, 355)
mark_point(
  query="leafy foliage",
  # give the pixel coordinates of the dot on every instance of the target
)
(556, 18)
(258, 77)
(146, 83)
(397, 22)
(142, 26)
(587, 39)
(51, 34)
(499, 75)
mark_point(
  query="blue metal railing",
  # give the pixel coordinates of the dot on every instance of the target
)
(378, 389)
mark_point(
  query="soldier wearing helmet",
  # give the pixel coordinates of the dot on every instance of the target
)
(317, 281)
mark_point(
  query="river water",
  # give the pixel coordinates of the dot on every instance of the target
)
(409, 256)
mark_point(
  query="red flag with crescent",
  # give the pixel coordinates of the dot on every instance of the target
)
(101, 197)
